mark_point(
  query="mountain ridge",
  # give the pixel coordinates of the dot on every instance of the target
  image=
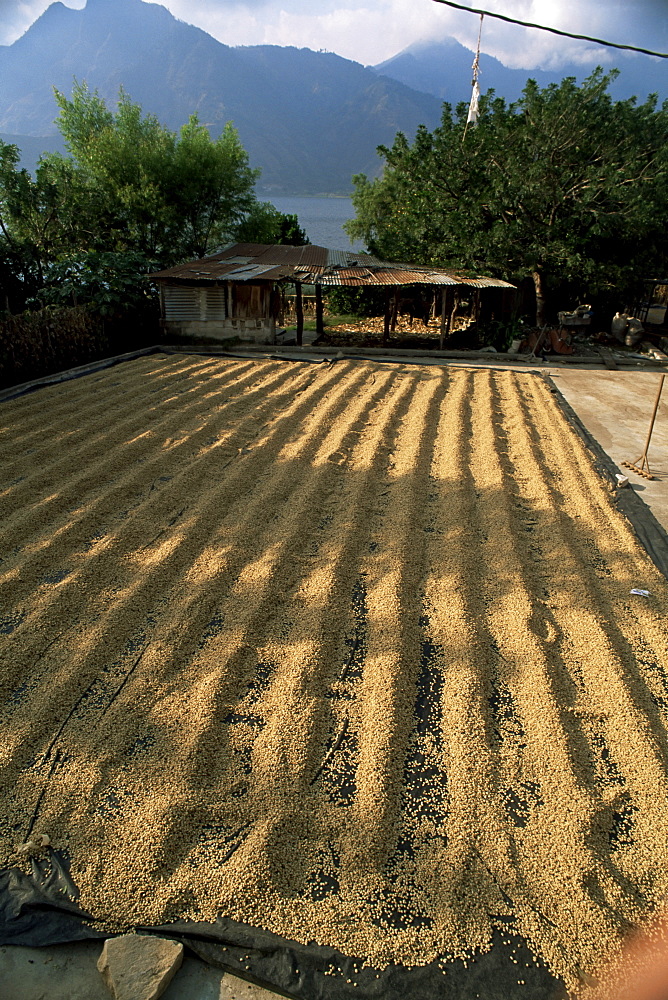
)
(309, 120)
(296, 110)
(421, 66)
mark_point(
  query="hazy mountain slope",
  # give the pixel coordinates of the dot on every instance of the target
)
(309, 120)
(444, 70)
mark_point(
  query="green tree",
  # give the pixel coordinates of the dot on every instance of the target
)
(215, 197)
(112, 284)
(38, 215)
(565, 186)
(266, 224)
(166, 195)
(129, 186)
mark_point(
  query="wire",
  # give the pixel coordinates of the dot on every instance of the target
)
(554, 31)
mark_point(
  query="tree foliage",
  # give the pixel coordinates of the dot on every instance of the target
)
(265, 224)
(111, 283)
(130, 191)
(163, 194)
(564, 185)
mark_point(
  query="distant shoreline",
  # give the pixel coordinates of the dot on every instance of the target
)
(268, 195)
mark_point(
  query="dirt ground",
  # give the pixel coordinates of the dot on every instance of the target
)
(346, 651)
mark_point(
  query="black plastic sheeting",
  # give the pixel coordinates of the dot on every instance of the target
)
(14, 392)
(40, 909)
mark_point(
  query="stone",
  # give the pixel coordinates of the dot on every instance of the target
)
(138, 967)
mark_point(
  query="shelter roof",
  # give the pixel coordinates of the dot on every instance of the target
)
(313, 265)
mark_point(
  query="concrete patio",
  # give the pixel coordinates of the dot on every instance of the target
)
(615, 407)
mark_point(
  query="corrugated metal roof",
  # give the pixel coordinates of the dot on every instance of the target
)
(247, 272)
(387, 275)
(314, 265)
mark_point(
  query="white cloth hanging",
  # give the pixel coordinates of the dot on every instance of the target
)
(474, 109)
(473, 106)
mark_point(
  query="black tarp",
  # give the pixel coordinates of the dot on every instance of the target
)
(40, 909)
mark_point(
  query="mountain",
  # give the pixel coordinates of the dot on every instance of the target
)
(443, 69)
(310, 120)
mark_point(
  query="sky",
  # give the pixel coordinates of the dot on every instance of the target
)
(370, 31)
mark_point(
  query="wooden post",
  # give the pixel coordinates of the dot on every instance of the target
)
(455, 307)
(395, 310)
(273, 310)
(319, 312)
(444, 318)
(388, 317)
(299, 309)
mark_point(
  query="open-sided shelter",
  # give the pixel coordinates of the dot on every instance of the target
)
(239, 291)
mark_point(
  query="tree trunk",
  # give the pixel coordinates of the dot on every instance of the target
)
(476, 310)
(540, 298)
(299, 309)
(319, 312)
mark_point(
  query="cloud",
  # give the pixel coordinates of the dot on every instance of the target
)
(370, 31)
(373, 30)
(642, 23)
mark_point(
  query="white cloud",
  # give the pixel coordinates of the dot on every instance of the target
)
(373, 30)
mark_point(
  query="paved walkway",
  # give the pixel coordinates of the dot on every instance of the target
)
(69, 972)
(616, 408)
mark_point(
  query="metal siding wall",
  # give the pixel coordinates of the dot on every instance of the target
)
(215, 303)
(182, 303)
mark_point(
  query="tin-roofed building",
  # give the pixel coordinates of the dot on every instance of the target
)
(239, 291)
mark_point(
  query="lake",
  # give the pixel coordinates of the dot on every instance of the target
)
(321, 218)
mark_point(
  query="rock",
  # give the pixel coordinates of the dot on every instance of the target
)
(137, 967)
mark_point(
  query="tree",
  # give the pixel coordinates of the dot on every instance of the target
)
(130, 191)
(112, 284)
(158, 193)
(266, 224)
(565, 186)
(38, 216)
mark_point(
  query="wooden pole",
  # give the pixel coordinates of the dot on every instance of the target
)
(395, 310)
(388, 316)
(299, 309)
(453, 314)
(319, 312)
(444, 317)
(273, 310)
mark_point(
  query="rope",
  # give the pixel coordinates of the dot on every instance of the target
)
(475, 96)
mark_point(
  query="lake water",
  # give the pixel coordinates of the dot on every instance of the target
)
(321, 218)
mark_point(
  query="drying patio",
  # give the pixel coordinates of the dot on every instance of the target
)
(344, 651)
